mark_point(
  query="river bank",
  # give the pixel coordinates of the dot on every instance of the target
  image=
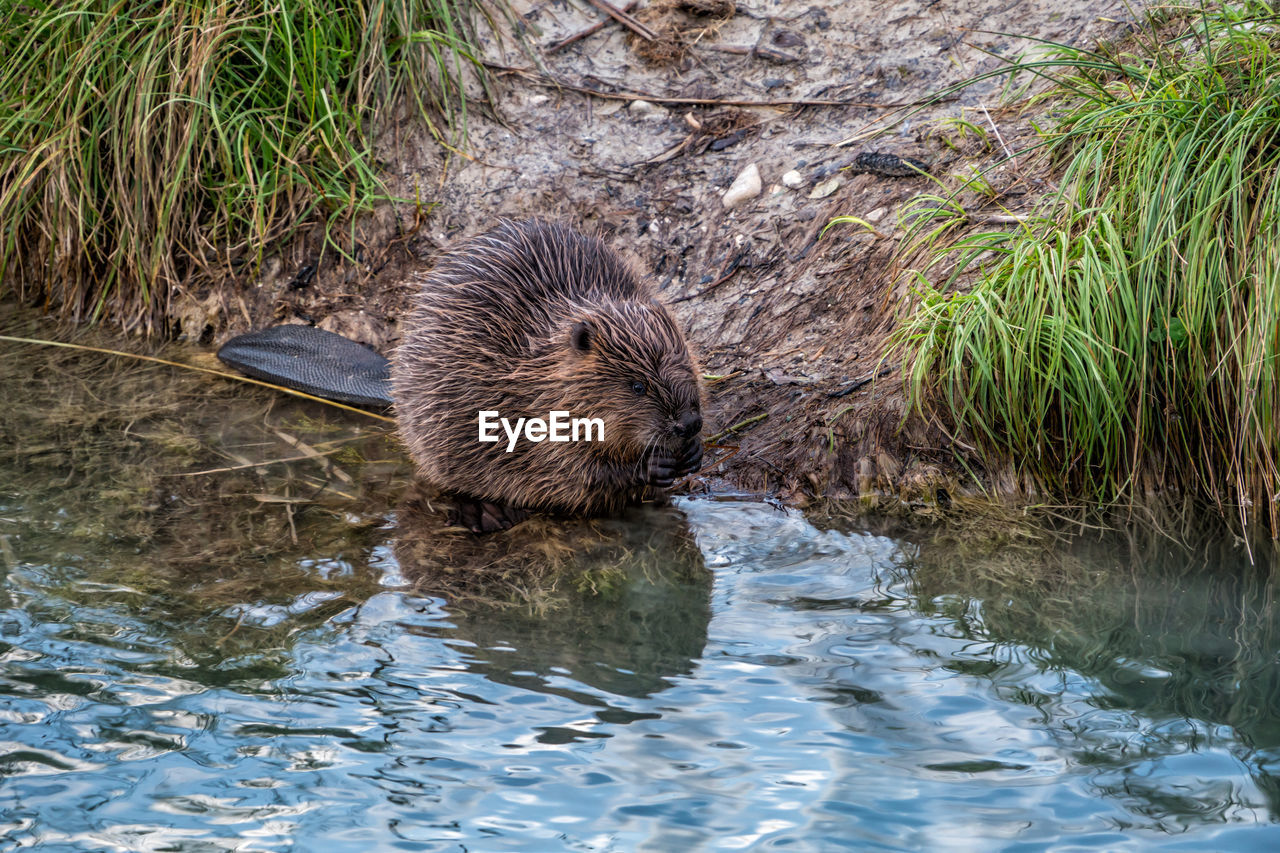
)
(790, 322)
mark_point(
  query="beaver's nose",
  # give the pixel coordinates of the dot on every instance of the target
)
(689, 424)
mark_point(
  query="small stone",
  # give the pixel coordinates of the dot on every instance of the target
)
(744, 187)
(538, 100)
(877, 214)
(645, 109)
(792, 179)
(825, 188)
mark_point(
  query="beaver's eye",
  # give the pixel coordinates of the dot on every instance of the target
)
(638, 387)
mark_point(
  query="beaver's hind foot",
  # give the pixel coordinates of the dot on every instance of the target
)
(484, 516)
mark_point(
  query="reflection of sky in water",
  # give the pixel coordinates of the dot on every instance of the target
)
(819, 711)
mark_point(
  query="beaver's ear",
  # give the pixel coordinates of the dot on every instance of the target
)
(581, 335)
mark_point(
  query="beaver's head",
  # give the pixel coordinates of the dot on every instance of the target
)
(628, 364)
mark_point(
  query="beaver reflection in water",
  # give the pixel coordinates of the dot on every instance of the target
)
(528, 319)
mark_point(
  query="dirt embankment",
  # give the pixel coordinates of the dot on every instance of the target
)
(794, 323)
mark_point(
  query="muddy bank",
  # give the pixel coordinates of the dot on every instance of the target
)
(792, 324)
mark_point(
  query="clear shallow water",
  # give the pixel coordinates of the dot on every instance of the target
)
(801, 694)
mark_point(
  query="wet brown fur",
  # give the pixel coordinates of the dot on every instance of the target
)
(499, 325)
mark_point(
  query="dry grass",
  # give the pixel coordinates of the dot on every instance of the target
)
(678, 25)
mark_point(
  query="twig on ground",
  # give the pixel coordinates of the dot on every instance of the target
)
(996, 130)
(739, 425)
(861, 383)
(591, 30)
(725, 274)
(623, 18)
(670, 154)
(548, 80)
(767, 53)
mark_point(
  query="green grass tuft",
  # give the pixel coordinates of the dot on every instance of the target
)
(147, 146)
(1128, 336)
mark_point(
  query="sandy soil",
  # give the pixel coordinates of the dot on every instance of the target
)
(793, 322)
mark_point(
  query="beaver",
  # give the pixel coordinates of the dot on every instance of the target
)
(524, 320)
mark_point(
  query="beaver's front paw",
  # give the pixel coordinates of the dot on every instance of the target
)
(484, 517)
(664, 469)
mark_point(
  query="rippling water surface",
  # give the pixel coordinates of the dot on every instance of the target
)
(778, 686)
(808, 701)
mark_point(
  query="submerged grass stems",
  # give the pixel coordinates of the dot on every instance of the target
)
(1129, 336)
(147, 146)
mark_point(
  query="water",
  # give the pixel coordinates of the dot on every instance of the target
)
(727, 676)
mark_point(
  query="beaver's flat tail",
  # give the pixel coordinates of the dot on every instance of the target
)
(313, 361)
